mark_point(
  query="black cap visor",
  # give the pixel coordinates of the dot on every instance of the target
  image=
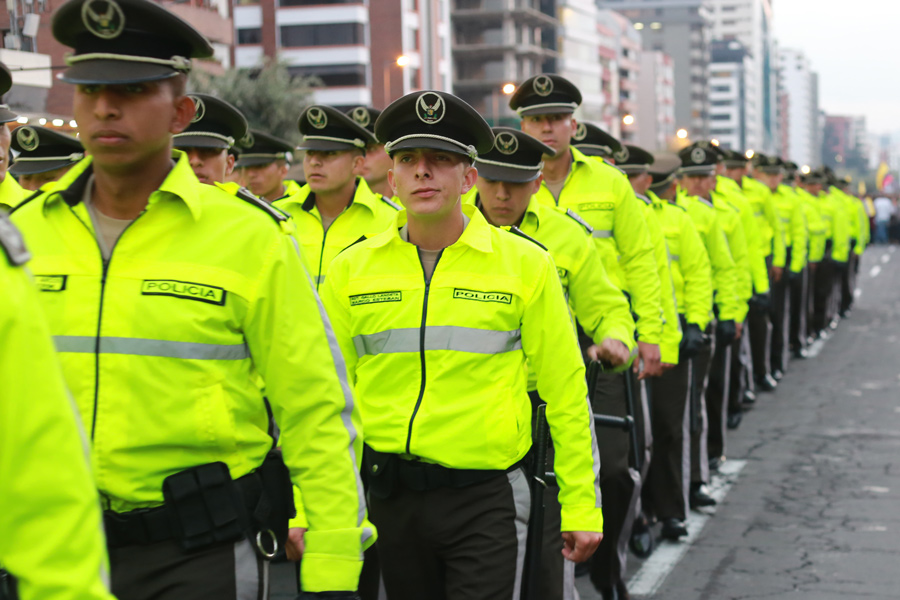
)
(257, 160)
(547, 109)
(496, 172)
(198, 140)
(113, 72)
(6, 115)
(33, 167)
(327, 145)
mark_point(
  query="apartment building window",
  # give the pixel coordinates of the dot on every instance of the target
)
(721, 103)
(315, 2)
(724, 117)
(720, 88)
(334, 75)
(328, 34)
(249, 36)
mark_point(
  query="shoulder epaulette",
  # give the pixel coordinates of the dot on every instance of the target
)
(675, 204)
(12, 243)
(572, 214)
(644, 199)
(247, 196)
(705, 201)
(391, 203)
(515, 230)
(26, 201)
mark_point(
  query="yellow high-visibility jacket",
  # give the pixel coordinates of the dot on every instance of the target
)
(834, 211)
(51, 539)
(724, 271)
(602, 196)
(161, 346)
(671, 334)
(439, 367)
(790, 211)
(11, 193)
(766, 213)
(367, 214)
(755, 251)
(600, 307)
(689, 261)
(730, 221)
(815, 225)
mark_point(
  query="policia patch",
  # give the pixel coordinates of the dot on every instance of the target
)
(500, 297)
(183, 289)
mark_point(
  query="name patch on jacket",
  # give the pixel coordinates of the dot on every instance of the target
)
(375, 298)
(597, 206)
(183, 289)
(500, 297)
(50, 283)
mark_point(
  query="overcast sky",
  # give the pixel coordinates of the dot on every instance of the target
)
(854, 45)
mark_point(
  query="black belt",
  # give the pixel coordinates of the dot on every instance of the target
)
(152, 525)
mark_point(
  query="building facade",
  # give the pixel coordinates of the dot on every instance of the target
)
(656, 102)
(799, 84)
(728, 94)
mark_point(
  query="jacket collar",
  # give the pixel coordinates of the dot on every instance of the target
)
(531, 216)
(305, 199)
(180, 183)
(477, 233)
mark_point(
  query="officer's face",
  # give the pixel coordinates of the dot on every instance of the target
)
(5, 140)
(265, 180)
(210, 165)
(640, 182)
(812, 188)
(771, 180)
(554, 130)
(736, 173)
(115, 126)
(503, 203)
(697, 185)
(428, 182)
(331, 170)
(376, 165)
(34, 182)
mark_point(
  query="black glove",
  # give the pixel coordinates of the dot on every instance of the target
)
(329, 595)
(692, 339)
(725, 332)
(762, 303)
(795, 275)
(840, 267)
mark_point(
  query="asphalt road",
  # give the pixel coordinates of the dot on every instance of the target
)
(809, 503)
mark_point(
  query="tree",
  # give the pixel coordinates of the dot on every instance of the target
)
(269, 96)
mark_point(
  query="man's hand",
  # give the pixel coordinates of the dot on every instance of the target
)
(613, 352)
(295, 545)
(667, 366)
(739, 326)
(580, 545)
(649, 356)
(776, 273)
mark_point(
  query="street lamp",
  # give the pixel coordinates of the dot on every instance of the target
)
(402, 62)
(805, 169)
(628, 120)
(682, 134)
(749, 154)
(507, 89)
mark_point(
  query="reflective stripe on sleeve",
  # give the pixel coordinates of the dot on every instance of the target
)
(602, 233)
(146, 347)
(446, 337)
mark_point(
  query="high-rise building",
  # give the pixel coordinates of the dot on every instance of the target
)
(579, 46)
(656, 101)
(728, 94)
(496, 42)
(798, 81)
(750, 23)
(622, 41)
(682, 30)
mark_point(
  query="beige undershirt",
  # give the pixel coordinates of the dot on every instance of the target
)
(327, 221)
(556, 187)
(428, 258)
(107, 229)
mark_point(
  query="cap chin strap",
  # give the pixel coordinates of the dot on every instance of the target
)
(522, 110)
(538, 167)
(263, 155)
(605, 149)
(178, 63)
(355, 142)
(74, 157)
(225, 138)
(698, 170)
(469, 150)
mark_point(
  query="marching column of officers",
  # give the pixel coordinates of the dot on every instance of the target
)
(235, 359)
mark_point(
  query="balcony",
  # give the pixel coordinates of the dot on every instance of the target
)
(522, 11)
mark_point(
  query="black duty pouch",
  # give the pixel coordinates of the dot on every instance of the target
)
(274, 507)
(205, 507)
(380, 472)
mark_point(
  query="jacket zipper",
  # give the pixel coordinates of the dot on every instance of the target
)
(100, 318)
(322, 249)
(421, 347)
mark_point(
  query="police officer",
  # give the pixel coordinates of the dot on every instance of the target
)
(668, 482)
(215, 129)
(335, 207)
(815, 252)
(436, 317)
(377, 163)
(508, 176)
(49, 510)
(11, 193)
(168, 300)
(798, 281)
(264, 161)
(697, 180)
(44, 155)
(601, 195)
(843, 226)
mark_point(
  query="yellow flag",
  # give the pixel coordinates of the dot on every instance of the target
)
(883, 171)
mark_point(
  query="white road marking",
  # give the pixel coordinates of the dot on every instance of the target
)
(885, 258)
(874, 271)
(857, 293)
(655, 569)
(876, 489)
